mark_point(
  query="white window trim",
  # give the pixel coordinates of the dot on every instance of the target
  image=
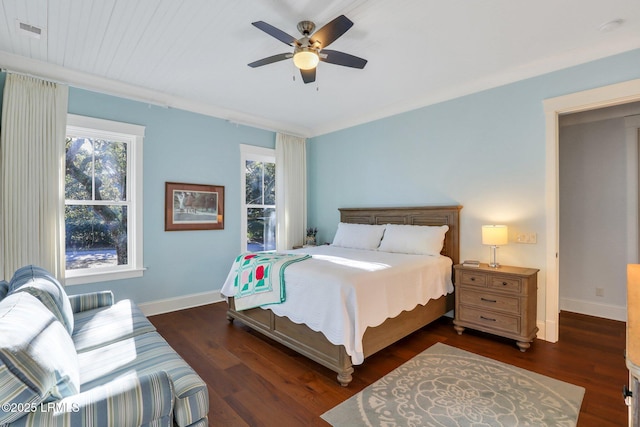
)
(88, 126)
(250, 152)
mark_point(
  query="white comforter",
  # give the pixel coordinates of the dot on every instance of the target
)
(341, 291)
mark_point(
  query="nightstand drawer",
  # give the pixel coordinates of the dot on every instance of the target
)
(491, 301)
(501, 301)
(489, 321)
(506, 284)
(473, 278)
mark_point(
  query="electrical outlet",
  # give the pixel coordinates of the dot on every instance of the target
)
(599, 292)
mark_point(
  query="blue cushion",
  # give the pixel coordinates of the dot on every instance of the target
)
(131, 400)
(142, 355)
(41, 284)
(38, 362)
(90, 301)
(4, 289)
(102, 326)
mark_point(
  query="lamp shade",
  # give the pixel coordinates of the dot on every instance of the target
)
(494, 235)
(305, 59)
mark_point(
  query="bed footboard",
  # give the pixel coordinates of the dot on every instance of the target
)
(315, 345)
(298, 337)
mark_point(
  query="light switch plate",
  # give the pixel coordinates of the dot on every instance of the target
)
(530, 238)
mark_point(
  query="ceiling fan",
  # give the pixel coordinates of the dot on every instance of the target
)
(310, 49)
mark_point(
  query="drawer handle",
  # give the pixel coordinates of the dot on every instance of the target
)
(487, 318)
(473, 279)
(504, 283)
(487, 300)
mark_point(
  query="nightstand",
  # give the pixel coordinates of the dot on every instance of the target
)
(501, 301)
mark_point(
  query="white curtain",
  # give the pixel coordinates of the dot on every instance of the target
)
(291, 191)
(32, 150)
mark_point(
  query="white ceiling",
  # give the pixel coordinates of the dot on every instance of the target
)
(193, 54)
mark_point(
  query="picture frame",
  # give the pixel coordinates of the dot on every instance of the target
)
(193, 207)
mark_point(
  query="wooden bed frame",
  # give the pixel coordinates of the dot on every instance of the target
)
(315, 345)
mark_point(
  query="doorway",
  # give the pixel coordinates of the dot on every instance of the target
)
(612, 95)
(598, 210)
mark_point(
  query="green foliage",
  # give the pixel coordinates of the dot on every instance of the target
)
(261, 193)
(96, 170)
(260, 183)
(85, 229)
(95, 166)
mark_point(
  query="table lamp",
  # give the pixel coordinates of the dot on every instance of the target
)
(494, 236)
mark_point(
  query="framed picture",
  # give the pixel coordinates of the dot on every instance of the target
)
(193, 207)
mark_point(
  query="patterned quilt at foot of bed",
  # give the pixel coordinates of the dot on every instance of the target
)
(259, 278)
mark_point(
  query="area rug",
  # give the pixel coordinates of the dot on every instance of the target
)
(445, 386)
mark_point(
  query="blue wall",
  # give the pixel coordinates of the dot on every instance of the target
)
(179, 146)
(485, 151)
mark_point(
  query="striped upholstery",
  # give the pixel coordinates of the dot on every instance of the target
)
(42, 285)
(112, 370)
(39, 362)
(144, 354)
(90, 301)
(14, 391)
(102, 326)
(133, 400)
(200, 423)
(4, 289)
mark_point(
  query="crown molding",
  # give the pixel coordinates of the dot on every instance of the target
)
(99, 84)
(501, 78)
(82, 80)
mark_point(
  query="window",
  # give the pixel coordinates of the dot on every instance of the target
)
(258, 182)
(103, 200)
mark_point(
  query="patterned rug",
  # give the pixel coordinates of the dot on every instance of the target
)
(445, 386)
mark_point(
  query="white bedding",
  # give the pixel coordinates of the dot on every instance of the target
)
(341, 291)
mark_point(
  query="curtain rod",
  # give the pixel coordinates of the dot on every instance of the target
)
(22, 73)
(160, 104)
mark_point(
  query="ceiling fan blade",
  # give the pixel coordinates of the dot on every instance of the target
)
(270, 60)
(275, 32)
(330, 32)
(308, 76)
(341, 58)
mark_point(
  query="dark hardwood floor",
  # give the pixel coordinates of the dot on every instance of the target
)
(254, 381)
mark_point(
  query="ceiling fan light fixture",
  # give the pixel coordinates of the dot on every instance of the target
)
(310, 49)
(306, 59)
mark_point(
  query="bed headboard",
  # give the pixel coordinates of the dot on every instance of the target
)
(427, 215)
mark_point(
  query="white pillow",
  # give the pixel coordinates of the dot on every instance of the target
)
(358, 236)
(38, 361)
(413, 239)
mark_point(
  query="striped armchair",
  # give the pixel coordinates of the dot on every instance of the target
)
(85, 360)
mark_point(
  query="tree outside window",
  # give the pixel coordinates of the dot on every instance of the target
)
(103, 191)
(259, 202)
(96, 203)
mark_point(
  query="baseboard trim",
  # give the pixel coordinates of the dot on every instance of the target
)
(607, 311)
(180, 303)
(542, 330)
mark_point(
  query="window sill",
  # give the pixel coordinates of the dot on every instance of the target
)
(84, 278)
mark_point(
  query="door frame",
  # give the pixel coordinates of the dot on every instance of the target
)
(606, 96)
